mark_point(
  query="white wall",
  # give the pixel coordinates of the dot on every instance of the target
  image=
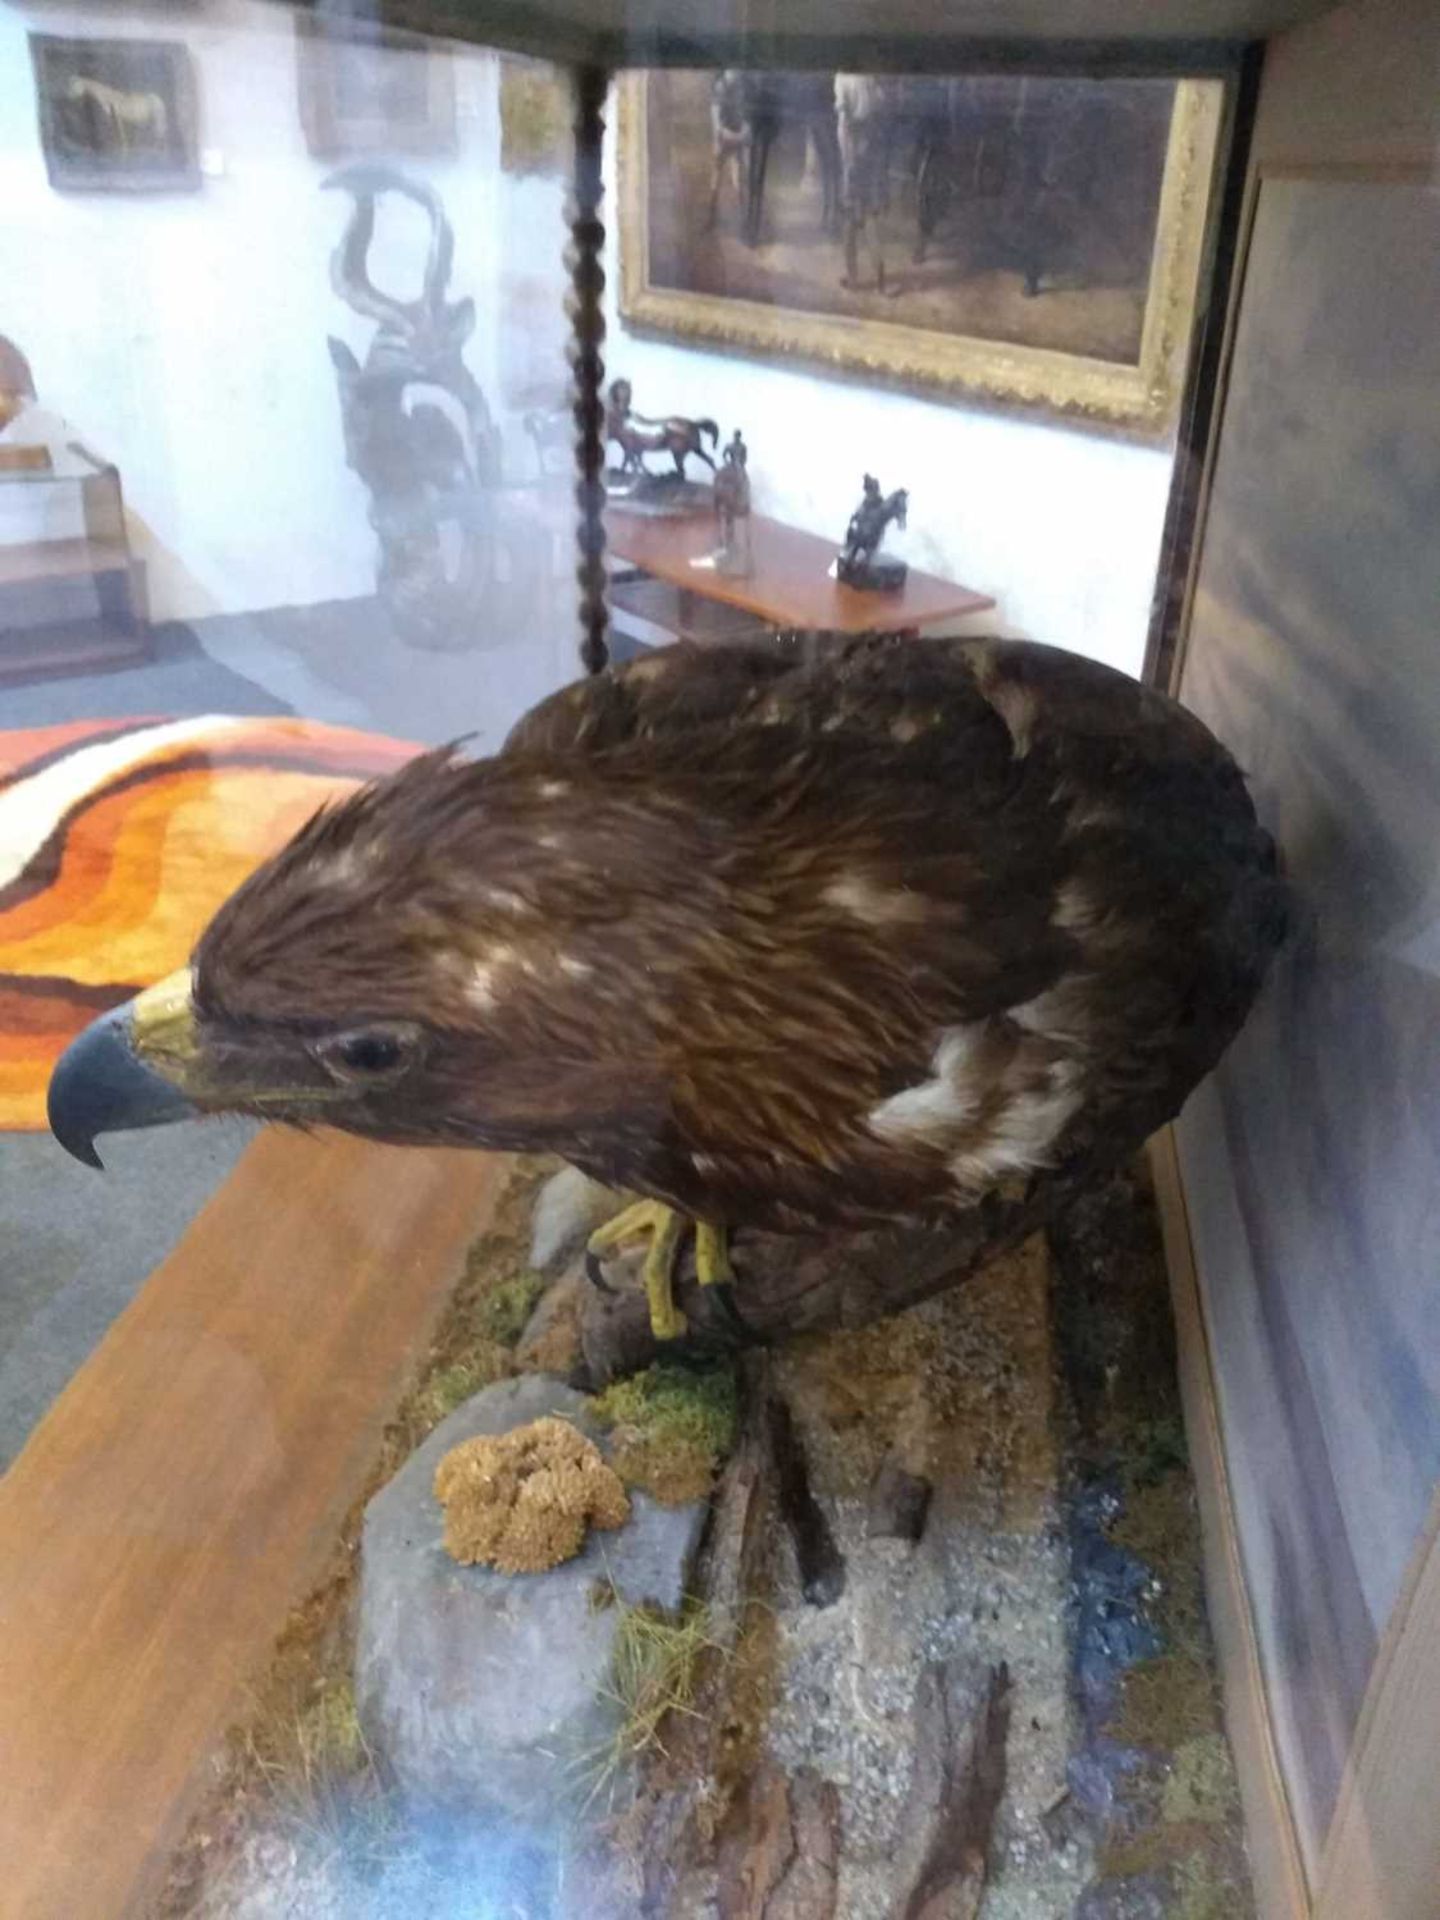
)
(183, 334)
(1062, 527)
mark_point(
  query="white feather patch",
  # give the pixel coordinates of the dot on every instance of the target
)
(939, 1107)
(483, 990)
(1076, 910)
(504, 899)
(872, 904)
(1058, 1014)
(1022, 1133)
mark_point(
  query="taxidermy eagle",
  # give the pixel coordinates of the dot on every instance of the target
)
(783, 941)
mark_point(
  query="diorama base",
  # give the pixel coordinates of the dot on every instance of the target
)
(660, 496)
(878, 576)
(945, 1634)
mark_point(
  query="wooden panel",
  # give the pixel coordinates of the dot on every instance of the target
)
(790, 586)
(1356, 87)
(1274, 1849)
(175, 1500)
(1310, 1160)
(1383, 1855)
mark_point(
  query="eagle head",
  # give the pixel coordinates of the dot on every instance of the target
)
(344, 984)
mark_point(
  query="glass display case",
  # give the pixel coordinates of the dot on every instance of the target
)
(716, 960)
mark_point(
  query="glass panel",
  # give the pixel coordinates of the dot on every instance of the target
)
(626, 1512)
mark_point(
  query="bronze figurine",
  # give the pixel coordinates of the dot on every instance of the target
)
(858, 565)
(636, 435)
(732, 509)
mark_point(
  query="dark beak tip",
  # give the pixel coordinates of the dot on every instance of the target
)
(83, 1151)
(61, 1116)
(99, 1086)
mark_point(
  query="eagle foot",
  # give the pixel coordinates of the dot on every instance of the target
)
(665, 1228)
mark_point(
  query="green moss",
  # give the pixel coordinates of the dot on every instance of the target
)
(1165, 1702)
(1155, 1447)
(1201, 1785)
(670, 1428)
(1203, 1892)
(1159, 1525)
(1150, 1850)
(1203, 1883)
(451, 1386)
(507, 1307)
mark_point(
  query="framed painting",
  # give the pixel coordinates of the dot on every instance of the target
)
(366, 90)
(116, 115)
(1031, 241)
(537, 110)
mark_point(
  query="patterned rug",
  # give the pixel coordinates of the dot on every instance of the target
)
(118, 840)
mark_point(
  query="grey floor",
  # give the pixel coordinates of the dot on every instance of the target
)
(77, 1244)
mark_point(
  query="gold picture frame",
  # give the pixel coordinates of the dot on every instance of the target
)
(1139, 392)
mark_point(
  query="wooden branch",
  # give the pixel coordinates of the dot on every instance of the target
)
(820, 1562)
(782, 1861)
(962, 1721)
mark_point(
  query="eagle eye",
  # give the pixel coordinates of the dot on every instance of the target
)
(372, 1054)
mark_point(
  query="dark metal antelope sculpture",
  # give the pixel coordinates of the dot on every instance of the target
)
(417, 429)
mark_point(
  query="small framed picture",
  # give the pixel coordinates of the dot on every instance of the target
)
(366, 90)
(116, 115)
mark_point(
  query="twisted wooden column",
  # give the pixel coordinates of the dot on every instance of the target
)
(587, 319)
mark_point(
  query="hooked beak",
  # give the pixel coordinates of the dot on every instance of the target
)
(126, 1070)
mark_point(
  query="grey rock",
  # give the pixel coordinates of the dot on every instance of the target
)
(486, 1688)
(567, 1210)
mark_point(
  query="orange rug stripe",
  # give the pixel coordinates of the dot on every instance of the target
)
(119, 886)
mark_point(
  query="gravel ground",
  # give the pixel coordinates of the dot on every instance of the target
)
(965, 1388)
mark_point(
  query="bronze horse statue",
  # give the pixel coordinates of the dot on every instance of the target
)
(858, 565)
(636, 435)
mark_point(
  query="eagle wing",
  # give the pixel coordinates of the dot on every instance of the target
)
(935, 915)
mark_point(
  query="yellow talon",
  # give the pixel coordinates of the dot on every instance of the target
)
(712, 1255)
(666, 1229)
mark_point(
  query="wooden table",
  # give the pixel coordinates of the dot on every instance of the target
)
(187, 1486)
(790, 587)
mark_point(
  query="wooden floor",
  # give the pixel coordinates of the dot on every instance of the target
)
(180, 1493)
